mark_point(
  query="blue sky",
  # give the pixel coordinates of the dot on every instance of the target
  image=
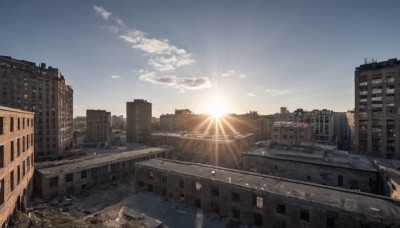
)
(243, 55)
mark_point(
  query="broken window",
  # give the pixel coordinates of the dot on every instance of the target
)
(69, 177)
(281, 209)
(305, 215)
(53, 182)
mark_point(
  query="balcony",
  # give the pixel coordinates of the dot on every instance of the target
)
(376, 91)
(389, 91)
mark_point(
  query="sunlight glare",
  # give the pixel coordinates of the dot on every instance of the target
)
(216, 108)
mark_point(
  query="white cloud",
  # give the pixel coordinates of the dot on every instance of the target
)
(242, 76)
(276, 92)
(233, 73)
(180, 83)
(102, 12)
(251, 94)
(112, 28)
(114, 76)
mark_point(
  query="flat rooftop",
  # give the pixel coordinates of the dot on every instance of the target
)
(291, 124)
(318, 156)
(203, 136)
(352, 201)
(88, 162)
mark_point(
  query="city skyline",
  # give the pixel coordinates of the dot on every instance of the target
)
(237, 56)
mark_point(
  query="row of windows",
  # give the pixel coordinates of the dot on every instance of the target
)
(28, 121)
(27, 142)
(24, 168)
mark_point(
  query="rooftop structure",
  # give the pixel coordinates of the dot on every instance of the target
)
(261, 199)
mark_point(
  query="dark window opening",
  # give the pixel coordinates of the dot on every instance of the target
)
(281, 209)
(304, 215)
(236, 213)
(235, 196)
(330, 222)
(258, 219)
(340, 180)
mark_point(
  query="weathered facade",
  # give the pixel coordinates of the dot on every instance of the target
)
(265, 200)
(72, 177)
(16, 161)
(377, 109)
(43, 91)
(220, 150)
(289, 132)
(326, 167)
(138, 121)
(98, 127)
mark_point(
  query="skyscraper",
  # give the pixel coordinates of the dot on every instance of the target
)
(138, 121)
(43, 91)
(377, 108)
(98, 127)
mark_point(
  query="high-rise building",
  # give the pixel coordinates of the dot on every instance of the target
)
(41, 90)
(138, 121)
(98, 127)
(377, 108)
(322, 120)
(16, 161)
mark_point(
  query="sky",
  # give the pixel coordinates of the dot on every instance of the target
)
(235, 56)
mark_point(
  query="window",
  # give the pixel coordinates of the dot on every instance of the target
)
(69, 177)
(340, 180)
(1, 156)
(151, 174)
(198, 186)
(12, 151)
(215, 191)
(330, 222)
(258, 201)
(19, 123)
(23, 123)
(18, 147)
(1, 191)
(308, 178)
(23, 143)
(304, 215)
(281, 209)
(83, 174)
(18, 174)
(235, 196)
(23, 168)
(164, 178)
(1, 125)
(53, 182)
(12, 181)
(236, 213)
(181, 183)
(11, 124)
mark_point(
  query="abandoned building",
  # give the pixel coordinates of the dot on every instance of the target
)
(16, 161)
(389, 170)
(312, 164)
(265, 200)
(287, 132)
(221, 150)
(56, 179)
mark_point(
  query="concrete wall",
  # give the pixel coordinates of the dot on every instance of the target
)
(366, 181)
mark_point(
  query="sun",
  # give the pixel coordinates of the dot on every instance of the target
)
(216, 108)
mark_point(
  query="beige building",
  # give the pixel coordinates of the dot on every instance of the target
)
(263, 200)
(98, 127)
(16, 161)
(138, 121)
(41, 90)
(377, 109)
(55, 179)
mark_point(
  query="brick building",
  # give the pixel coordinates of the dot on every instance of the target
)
(377, 109)
(221, 150)
(317, 165)
(43, 91)
(55, 179)
(138, 121)
(265, 200)
(98, 127)
(16, 161)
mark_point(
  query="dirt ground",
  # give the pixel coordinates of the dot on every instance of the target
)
(99, 207)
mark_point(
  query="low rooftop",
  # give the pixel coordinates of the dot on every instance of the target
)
(203, 136)
(352, 201)
(88, 162)
(317, 156)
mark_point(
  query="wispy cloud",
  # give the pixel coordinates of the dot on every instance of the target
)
(102, 12)
(163, 56)
(114, 76)
(190, 83)
(276, 92)
(232, 73)
(251, 94)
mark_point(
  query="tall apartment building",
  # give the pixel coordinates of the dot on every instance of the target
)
(98, 127)
(138, 121)
(322, 120)
(16, 161)
(167, 122)
(41, 90)
(377, 108)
